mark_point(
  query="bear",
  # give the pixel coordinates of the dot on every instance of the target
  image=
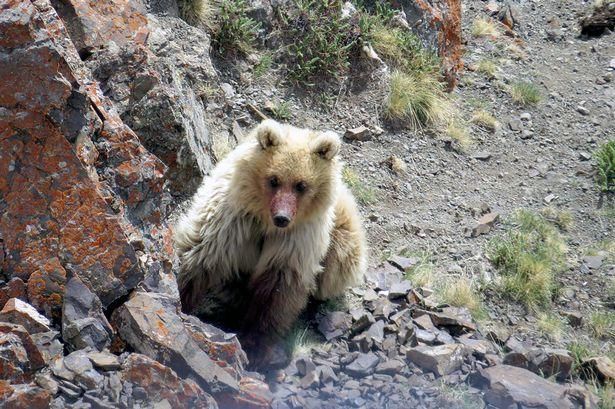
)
(271, 226)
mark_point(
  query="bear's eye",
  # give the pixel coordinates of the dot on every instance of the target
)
(300, 187)
(274, 182)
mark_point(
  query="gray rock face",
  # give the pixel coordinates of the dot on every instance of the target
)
(83, 322)
(159, 89)
(509, 386)
(155, 330)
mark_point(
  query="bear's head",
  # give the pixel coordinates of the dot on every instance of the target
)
(291, 174)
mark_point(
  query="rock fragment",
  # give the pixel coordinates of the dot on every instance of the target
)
(361, 133)
(19, 312)
(485, 223)
(602, 366)
(335, 324)
(441, 360)
(364, 365)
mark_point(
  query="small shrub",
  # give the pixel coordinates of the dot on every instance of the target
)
(457, 397)
(482, 27)
(601, 324)
(525, 93)
(528, 255)
(605, 160)
(234, 31)
(485, 120)
(361, 191)
(487, 67)
(322, 41)
(416, 100)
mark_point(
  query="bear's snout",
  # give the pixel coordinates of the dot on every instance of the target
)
(283, 207)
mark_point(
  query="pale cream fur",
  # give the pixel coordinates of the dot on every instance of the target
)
(228, 231)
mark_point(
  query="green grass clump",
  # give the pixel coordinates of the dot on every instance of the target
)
(264, 65)
(361, 191)
(529, 254)
(525, 93)
(487, 67)
(281, 110)
(417, 100)
(323, 41)
(605, 161)
(462, 292)
(234, 31)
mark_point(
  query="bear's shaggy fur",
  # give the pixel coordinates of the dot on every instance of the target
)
(233, 248)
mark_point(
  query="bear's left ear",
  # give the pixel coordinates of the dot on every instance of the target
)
(326, 145)
(269, 133)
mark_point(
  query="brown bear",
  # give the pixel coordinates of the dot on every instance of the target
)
(271, 226)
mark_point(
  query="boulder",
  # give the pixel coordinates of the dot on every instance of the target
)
(22, 313)
(550, 362)
(156, 330)
(83, 322)
(508, 386)
(441, 360)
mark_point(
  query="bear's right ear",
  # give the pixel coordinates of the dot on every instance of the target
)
(269, 133)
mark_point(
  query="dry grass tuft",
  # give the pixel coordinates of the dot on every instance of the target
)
(525, 93)
(416, 100)
(482, 27)
(485, 120)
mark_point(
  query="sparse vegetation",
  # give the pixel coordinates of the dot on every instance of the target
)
(361, 191)
(233, 30)
(528, 255)
(605, 161)
(561, 218)
(301, 338)
(281, 110)
(422, 273)
(601, 324)
(458, 397)
(458, 131)
(487, 67)
(551, 325)
(264, 65)
(462, 292)
(482, 27)
(485, 120)
(525, 93)
(196, 12)
(417, 100)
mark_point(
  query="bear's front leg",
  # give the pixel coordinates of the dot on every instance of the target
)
(277, 299)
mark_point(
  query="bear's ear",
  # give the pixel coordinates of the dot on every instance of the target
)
(326, 145)
(269, 133)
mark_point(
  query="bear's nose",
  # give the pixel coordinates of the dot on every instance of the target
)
(281, 220)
